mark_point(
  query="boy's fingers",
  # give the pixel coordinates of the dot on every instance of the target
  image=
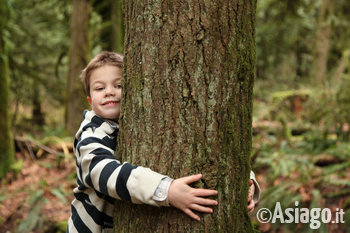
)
(251, 206)
(204, 192)
(191, 214)
(249, 198)
(191, 179)
(200, 208)
(204, 201)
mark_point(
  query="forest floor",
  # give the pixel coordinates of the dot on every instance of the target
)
(333, 198)
(38, 196)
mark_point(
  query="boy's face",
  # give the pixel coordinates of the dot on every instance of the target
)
(106, 91)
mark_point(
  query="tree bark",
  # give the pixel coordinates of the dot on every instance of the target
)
(187, 106)
(7, 151)
(78, 58)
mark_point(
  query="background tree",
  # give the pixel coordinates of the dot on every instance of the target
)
(117, 26)
(322, 42)
(79, 55)
(187, 106)
(6, 140)
(112, 27)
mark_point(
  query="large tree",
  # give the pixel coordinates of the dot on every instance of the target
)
(187, 105)
(78, 58)
(6, 140)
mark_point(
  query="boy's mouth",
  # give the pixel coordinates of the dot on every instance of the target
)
(110, 103)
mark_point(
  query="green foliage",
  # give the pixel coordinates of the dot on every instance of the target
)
(293, 176)
(17, 166)
(347, 220)
(286, 37)
(3, 197)
(39, 40)
(286, 51)
(34, 219)
(60, 194)
(284, 33)
(57, 132)
(61, 227)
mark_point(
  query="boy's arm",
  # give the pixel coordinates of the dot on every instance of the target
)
(100, 170)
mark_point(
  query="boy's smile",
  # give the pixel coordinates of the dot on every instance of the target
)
(106, 91)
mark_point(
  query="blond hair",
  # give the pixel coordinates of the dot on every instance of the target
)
(101, 59)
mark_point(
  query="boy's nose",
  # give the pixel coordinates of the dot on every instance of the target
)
(109, 91)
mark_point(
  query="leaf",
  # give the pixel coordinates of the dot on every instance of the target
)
(32, 220)
(59, 194)
(35, 197)
(3, 198)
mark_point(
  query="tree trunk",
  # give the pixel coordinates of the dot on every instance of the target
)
(187, 105)
(37, 114)
(79, 54)
(6, 139)
(322, 43)
(111, 13)
(117, 26)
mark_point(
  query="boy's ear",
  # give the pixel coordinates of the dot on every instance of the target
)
(89, 99)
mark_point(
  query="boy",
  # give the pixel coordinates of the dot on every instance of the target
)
(101, 177)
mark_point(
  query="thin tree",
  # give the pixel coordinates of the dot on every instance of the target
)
(112, 34)
(117, 26)
(187, 106)
(78, 58)
(6, 139)
(322, 43)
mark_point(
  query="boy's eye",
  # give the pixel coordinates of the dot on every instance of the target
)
(99, 88)
(119, 86)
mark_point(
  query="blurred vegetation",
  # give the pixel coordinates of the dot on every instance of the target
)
(39, 42)
(301, 108)
(301, 122)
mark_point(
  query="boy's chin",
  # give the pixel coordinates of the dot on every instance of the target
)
(112, 116)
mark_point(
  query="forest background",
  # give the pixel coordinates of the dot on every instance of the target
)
(301, 102)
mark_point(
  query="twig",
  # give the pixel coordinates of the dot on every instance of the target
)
(28, 143)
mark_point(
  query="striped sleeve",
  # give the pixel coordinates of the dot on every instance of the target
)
(100, 170)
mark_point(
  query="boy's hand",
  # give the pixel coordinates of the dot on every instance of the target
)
(186, 198)
(251, 203)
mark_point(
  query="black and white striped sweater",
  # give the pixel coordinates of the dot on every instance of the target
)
(102, 179)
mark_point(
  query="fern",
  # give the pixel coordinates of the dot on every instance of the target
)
(58, 193)
(34, 218)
